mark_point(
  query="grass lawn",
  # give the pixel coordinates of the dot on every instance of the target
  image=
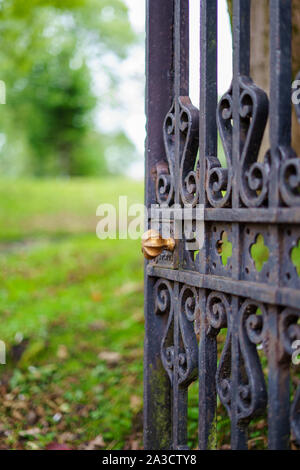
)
(72, 318)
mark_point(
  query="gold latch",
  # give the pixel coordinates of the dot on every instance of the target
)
(153, 244)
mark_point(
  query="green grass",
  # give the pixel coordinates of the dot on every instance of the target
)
(72, 317)
(52, 207)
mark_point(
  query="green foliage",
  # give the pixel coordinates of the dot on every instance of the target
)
(295, 257)
(225, 248)
(260, 252)
(75, 305)
(46, 52)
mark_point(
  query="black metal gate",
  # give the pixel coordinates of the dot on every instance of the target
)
(191, 295)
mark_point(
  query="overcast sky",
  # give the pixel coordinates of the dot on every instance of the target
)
(132, 86)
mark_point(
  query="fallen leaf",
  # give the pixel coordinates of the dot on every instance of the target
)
(31, 417)
(30, 432)
(32, 446)
(130, 288)
(62, 352)
(135, 402)
(97, 325)
(65, 407)
(138, 316)
(226, 447)
(111, 357)
(97, 442)
(261, 425)
(51, 403)
(135, 445)
(17, 415)
(255, 440)
(66, 437)
(40, 410)
(96, 296)
(57, 446)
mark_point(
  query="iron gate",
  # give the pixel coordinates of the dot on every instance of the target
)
(191, 295)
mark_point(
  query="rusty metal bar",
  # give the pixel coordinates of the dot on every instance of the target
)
(241, 67)
(207, 147)
(280, 136)
(159, 95)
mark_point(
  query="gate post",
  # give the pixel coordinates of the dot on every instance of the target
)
(159, 95)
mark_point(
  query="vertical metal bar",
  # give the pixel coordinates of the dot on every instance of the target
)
(280, 79)
(280, 136)
(207, 382)
(179, 407)
(207, 147)
(208, 89)
(181, 79)
(281, 72)
(241, 66)
(177, 81)
(239, 435)
(159, 95)
(279, 389)
(159, 85)
(181, 88)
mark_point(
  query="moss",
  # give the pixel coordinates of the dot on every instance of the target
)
(160, 393)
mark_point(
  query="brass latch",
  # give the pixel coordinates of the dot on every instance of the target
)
(153, 244)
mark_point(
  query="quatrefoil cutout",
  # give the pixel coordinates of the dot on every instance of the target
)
(260, 253)
(224, 248)
(295, 257)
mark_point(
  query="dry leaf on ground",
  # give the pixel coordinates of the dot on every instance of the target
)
(111, 357)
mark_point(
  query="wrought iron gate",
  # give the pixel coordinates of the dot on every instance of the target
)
(191, 295)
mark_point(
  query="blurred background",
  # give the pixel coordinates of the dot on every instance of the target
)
(72, 133)
(71, 306)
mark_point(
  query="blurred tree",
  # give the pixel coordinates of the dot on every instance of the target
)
(260, 50)
(50, 53)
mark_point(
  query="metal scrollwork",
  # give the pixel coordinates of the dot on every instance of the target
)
(219, 179)
(189, 142)
(252, 394)
(164, 305)
(254, 114)
(188, 356)
(218, 312)
(185, 364)
(289, 173)
(289, 332)
(289, 176)
(165, 174)
(188, 123)
(163, 297)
